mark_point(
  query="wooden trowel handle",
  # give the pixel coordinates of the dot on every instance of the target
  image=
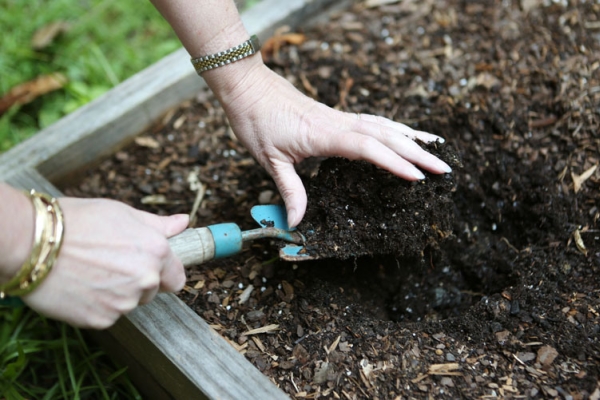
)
(193, 246)
(197, 245)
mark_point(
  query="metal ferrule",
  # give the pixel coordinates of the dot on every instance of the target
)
(276, 233)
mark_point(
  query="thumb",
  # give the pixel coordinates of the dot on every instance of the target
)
(172, 275)
(292, 190)
(167, 225)
(175, 224)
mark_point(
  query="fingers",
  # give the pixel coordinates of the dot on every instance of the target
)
(400, 128)
(356, 146)
(171, 273)
(172, 276)
(292, 190)
(168, 275)
(167, 225)
(400, 138)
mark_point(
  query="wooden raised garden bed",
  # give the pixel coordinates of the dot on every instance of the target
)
(503, 300)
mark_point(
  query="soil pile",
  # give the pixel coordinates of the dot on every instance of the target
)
(356, 209)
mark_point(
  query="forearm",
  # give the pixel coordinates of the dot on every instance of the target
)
(207, 27)
(204, 26)
(16, 235)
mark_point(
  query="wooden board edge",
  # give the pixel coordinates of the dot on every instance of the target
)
(27, 179)
(200, 353)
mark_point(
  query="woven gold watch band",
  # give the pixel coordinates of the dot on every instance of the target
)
(248, 48)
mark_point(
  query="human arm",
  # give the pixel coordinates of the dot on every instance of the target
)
(113, 258)
(278, 124)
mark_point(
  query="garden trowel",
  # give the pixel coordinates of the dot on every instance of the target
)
(197, 245)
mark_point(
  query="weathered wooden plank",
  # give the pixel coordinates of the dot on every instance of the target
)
(201, 354)
(28, 179)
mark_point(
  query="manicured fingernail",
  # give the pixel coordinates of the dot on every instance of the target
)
(418, 174)
(292, 218)
(445, 167)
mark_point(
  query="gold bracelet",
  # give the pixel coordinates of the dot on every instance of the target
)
(248, 48)
(50, 251)
(27, 267)
(49, 234)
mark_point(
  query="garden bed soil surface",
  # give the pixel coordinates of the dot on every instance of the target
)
(483, 282)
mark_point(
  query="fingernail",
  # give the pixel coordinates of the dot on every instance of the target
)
(418, 174)
(291, 218)
(441, 140)
(445, 167)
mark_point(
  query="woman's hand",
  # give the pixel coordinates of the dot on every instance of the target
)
(280, 126)
(113, 258)
(276, 122)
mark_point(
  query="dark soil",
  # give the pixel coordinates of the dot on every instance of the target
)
(492, 290)
(357, 209)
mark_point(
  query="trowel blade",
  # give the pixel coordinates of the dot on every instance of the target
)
(274, 215)
(293, 252)
(270, 215)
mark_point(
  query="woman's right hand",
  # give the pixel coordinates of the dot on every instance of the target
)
(112, 259)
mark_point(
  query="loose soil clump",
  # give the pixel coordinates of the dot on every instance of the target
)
(356, 209)
(507, 304)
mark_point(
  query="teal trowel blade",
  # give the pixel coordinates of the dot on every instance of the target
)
(293, 252)
(275, 216)
(270, 215)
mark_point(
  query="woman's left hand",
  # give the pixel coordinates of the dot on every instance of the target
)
(280, 126)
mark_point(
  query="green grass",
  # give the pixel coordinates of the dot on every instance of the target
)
(43, 359)
(106, 42)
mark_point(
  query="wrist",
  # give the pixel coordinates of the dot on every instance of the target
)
(16, 240)
(232, 81)
(227, 81)
(223, 39)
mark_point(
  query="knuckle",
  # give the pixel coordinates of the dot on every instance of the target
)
(124, 307)
(101, 321)
(159, 248)
(365, 144)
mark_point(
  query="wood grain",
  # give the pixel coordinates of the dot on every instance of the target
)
(201, 353)
(193, 246)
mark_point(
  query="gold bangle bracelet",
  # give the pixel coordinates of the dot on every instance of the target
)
(54, 243)
(40, 226)
(45, 250)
